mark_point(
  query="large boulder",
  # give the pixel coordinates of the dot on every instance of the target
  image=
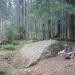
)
(30, 54)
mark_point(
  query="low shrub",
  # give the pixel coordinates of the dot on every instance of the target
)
(2, 73)
(16, 42)
(9, 47)
(35, 39)
(0, 46)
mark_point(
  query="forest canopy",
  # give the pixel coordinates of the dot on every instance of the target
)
(41, 19)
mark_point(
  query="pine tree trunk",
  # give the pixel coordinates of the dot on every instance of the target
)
(49, 29)
(43, 32)
(72, 27)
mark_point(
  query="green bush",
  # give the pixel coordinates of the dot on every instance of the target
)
(10, 47)
(0, 46)
(2, 73)
(11, 33)
(15, 42)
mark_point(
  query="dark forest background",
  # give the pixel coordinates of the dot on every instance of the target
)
(37, 19)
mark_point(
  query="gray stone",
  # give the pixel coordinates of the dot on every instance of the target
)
(36, 51)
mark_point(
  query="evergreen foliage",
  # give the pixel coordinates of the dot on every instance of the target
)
(31, 18)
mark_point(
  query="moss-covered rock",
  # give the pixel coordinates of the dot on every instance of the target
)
(30, 54)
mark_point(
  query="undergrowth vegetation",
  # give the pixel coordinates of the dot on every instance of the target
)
(15, 44)
(66, 41)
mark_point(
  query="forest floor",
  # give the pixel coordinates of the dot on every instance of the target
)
(54, 66)
(49, 66)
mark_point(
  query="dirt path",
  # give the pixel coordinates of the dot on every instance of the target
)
(54, 66)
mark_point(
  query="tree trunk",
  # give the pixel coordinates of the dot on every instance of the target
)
(43, 32)
(49, 29)
(72, 27)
